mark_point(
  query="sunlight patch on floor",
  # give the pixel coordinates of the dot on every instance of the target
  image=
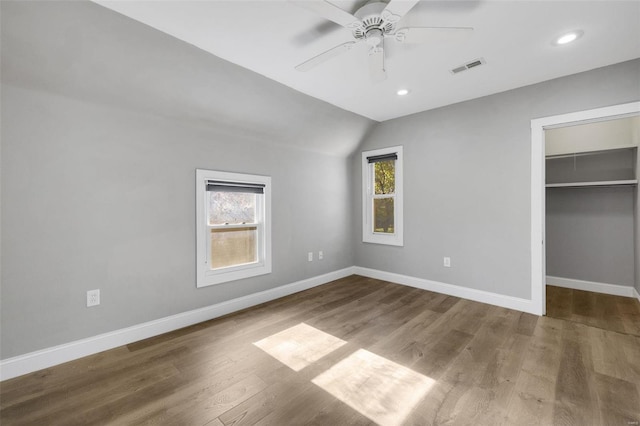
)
(377, 388)
(299, 346)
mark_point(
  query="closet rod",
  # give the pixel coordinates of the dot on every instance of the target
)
(601, 184)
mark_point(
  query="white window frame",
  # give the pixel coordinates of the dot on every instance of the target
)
(368, 236)
(205, 276)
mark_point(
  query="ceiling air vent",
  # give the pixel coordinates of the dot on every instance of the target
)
(468, 65)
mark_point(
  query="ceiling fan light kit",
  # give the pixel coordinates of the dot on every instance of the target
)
(372, 23)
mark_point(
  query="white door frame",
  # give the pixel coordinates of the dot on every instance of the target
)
(538, 125)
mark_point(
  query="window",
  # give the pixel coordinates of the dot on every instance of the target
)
(382, 196)
(233, 226)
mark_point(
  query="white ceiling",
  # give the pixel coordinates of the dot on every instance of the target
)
(515, 38)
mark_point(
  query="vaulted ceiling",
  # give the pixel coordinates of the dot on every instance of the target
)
(515, 40)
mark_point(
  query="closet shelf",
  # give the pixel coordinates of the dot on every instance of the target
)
(587, 153)
(629, 182)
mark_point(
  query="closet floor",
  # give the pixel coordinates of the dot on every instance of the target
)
(612, 313)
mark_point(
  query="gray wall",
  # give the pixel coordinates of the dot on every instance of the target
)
(590, 234)
(104, 122)
(467, 180)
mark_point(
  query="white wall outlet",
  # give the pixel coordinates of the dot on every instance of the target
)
(310, 256)
(93, 298)
(447, 262)
(320, 255)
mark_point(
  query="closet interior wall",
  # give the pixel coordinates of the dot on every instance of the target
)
(592, 217)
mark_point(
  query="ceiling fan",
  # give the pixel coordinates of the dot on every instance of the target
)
(372, 24)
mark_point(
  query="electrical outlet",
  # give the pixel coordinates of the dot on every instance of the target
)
(310, 256)
(93, 298)
(447, 262)
(320, 255)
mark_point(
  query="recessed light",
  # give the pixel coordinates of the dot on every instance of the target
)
(402, 92)
(568, 37)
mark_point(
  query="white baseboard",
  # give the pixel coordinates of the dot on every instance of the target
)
(636, 294)
(524, 305)
(613, 289)
(34, 361)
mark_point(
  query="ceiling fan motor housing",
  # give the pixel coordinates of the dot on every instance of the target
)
(374, 27)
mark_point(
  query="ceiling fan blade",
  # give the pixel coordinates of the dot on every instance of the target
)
(396, 9)
(325, 56)
(330, 12)
(432, 34)
(376, 64)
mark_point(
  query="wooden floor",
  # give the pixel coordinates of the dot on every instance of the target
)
(613, 313)
(356, 351)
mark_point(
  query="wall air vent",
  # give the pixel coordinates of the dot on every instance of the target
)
(468, 65)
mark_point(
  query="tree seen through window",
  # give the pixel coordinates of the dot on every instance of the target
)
(384, 191)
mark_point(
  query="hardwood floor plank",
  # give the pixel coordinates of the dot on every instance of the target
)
(613, 313)
(619, 400)
(406, 332)
(534, 395)
(610, 357)
(342, 321)
(583, 304)
(339, 414)
(385, 321)
(481, 380)
(109, 412)
(431, 410)
(202, 408)
(527, 324)
(198, 402)
(37, 383)
(113, 383)
(559, 302)
(445, 304)
(607, 312)
(467, 316)
(471, 364)
(573, 387)
(299, 410)
(472, 406)
(631, 348)
(629, 309)
(269, 400)
(433, 358)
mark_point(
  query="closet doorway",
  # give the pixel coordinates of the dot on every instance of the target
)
(590, 223)
(585, 177)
